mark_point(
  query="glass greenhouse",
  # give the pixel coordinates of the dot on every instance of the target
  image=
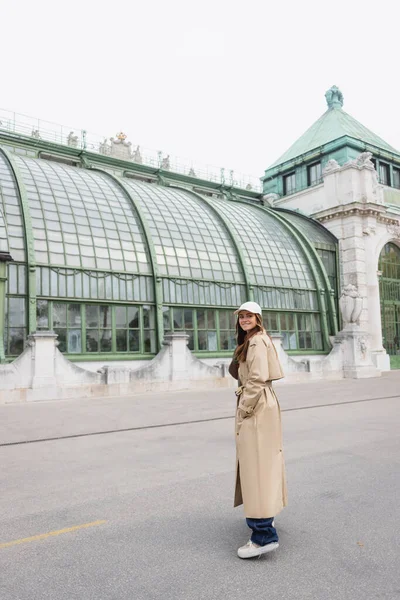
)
(111, 260)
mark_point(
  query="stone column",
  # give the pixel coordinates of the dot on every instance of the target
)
(177, 343)
(43, 344)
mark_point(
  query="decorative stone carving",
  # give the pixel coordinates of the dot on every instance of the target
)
(334, 97)
(72, 140)
(369, 231)
(364, 160)
(104, 148)
(249, 187)
(120, 148)
(394, 230)
(137, 156)
(331, 165)
(166, 165)
(269, 199)
(350, 304)
(192, 172)
(35, 134)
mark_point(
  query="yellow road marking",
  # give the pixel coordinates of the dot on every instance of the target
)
(43, 536)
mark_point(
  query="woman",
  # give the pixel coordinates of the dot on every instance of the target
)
(260, 469)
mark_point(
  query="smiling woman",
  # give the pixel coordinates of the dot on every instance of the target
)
(260, 468)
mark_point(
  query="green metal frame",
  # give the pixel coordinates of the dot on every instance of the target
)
(236, 245)
(29, 240)
(158, 296)
(3, 283)
(310, 253)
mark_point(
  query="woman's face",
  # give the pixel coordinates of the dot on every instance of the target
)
(247, 320)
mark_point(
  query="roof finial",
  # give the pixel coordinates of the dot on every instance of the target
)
(334, 97)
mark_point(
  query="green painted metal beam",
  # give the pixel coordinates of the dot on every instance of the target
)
(3, 283)
(310, 254)
(158, 294)
(235, 241)
(29, 240)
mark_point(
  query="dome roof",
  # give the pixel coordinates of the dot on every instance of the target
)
(204, 250)
(81, 218)
(11, 211)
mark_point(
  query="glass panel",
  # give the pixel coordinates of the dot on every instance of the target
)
(133, 340)
(178, 318)
(105, 340)
(149, 339)
(92, 316)
(148, 317)
(42, 314)
(211, 319)
(122, 340)
(74, 341)
(62, 338)
(74, 315)
(201, 318)
(212, 341)
(92, 340)
(166, 318)
(16, 313)
(202, 340)
(228, 340)
(105, 316)
(120, 316)
(223, 319)
(16, 340)
(133, 317)
(190, 340)
(188, 316)
(12, 279)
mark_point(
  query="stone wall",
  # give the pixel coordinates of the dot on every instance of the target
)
(43, 373)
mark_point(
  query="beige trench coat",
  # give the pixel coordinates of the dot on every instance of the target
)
(260, 467)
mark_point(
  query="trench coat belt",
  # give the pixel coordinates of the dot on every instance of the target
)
(239, 391)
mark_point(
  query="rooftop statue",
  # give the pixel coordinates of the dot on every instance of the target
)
(166, 165)
(334, 97)
(137, 156)
(72, 140)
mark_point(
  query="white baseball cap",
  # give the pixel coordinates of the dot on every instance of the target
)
(252, 307)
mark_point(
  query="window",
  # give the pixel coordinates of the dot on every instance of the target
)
(15, 330)
(209, 330)
(99, 328)
(300, 331)
(289, 184)
(314, 174)
(396, 178)
(384, 174)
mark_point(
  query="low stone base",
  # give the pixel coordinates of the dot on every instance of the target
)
(381, 360)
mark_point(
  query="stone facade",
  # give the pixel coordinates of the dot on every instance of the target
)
(350, 203)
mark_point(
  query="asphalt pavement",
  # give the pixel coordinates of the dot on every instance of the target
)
(131, 498)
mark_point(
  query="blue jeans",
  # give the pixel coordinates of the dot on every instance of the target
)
(263, 531)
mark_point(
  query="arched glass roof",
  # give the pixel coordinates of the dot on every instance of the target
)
(82, 218)
(189, 238)
(11, 208)
(314, 231)
(273, 256)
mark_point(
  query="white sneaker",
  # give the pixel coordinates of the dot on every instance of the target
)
(250, 549)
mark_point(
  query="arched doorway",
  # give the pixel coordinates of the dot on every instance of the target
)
(389, 287)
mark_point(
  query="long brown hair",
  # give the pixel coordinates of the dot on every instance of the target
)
(243, 338)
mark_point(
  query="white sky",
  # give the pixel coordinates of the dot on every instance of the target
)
(223, 82)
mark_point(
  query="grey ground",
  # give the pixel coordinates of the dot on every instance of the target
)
(166, 494)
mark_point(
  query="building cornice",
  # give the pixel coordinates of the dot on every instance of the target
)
(356, 209)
